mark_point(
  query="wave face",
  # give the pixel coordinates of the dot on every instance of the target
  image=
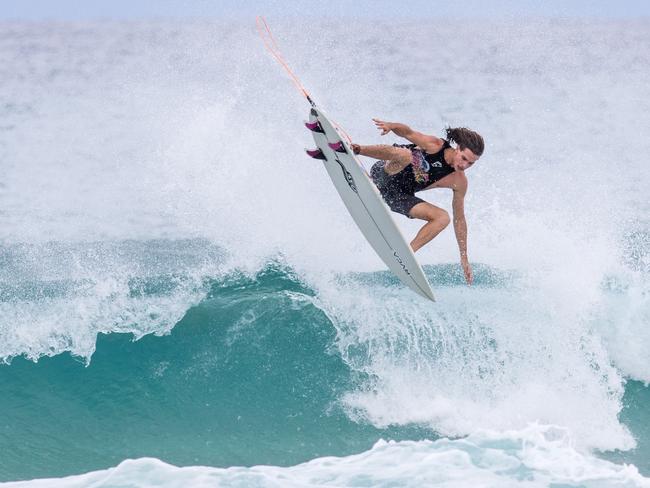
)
(178, 283)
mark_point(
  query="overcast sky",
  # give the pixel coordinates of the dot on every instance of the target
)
(137, 9)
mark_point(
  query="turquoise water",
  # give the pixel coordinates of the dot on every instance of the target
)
(185, 302)
(246, 377)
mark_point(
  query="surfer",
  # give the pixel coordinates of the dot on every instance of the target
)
(428, 162)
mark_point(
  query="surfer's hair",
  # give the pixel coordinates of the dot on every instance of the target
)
(466, 139)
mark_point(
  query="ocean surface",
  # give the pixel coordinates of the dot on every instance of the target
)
(184, 300)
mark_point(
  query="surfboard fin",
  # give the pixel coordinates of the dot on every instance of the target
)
(315, 127)
(315, 153)
(338, 147)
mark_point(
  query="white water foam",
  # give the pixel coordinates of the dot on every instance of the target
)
(464, 363)
(536, 456)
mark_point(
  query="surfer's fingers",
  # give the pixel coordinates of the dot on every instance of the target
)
(380, 123)
(469, 276)
(384, 130)
(383, 126)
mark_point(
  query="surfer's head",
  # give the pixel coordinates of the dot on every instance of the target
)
(469, 147)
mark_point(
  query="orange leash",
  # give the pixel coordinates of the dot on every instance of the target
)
(267, 37)
(264, 31)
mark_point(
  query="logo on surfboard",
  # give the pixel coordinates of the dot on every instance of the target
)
(401, 263)
(348, 177)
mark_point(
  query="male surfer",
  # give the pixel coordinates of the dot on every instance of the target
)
(428, 162)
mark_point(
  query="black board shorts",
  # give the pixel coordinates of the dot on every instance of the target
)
(398, 198)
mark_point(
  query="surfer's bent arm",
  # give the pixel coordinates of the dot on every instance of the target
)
(426, 142)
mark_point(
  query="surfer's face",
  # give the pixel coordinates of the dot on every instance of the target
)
(463, 159)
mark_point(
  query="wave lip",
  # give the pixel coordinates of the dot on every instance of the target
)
(56, 296)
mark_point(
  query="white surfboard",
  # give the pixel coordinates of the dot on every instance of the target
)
(367, 207)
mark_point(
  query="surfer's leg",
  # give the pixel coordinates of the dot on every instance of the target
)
(387, 153)
(397, 158)
(437, 219)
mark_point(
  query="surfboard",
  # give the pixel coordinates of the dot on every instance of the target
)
(365, 204)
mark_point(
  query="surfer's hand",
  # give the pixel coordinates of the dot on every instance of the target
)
(467, 269)
(384, 127)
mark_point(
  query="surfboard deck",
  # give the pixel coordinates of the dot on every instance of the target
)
(365, 204)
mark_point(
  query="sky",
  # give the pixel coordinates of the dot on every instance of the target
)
(139, 9)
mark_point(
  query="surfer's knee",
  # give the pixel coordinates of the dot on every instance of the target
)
(430, 213)
(441, 217)
(437, 215)
(400, 155)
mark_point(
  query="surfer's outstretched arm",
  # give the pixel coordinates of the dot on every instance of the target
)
(427, 142)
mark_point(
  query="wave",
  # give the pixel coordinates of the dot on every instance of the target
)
(273, 358)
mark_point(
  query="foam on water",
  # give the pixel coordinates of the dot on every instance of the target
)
(533, 457)
(464, 364)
